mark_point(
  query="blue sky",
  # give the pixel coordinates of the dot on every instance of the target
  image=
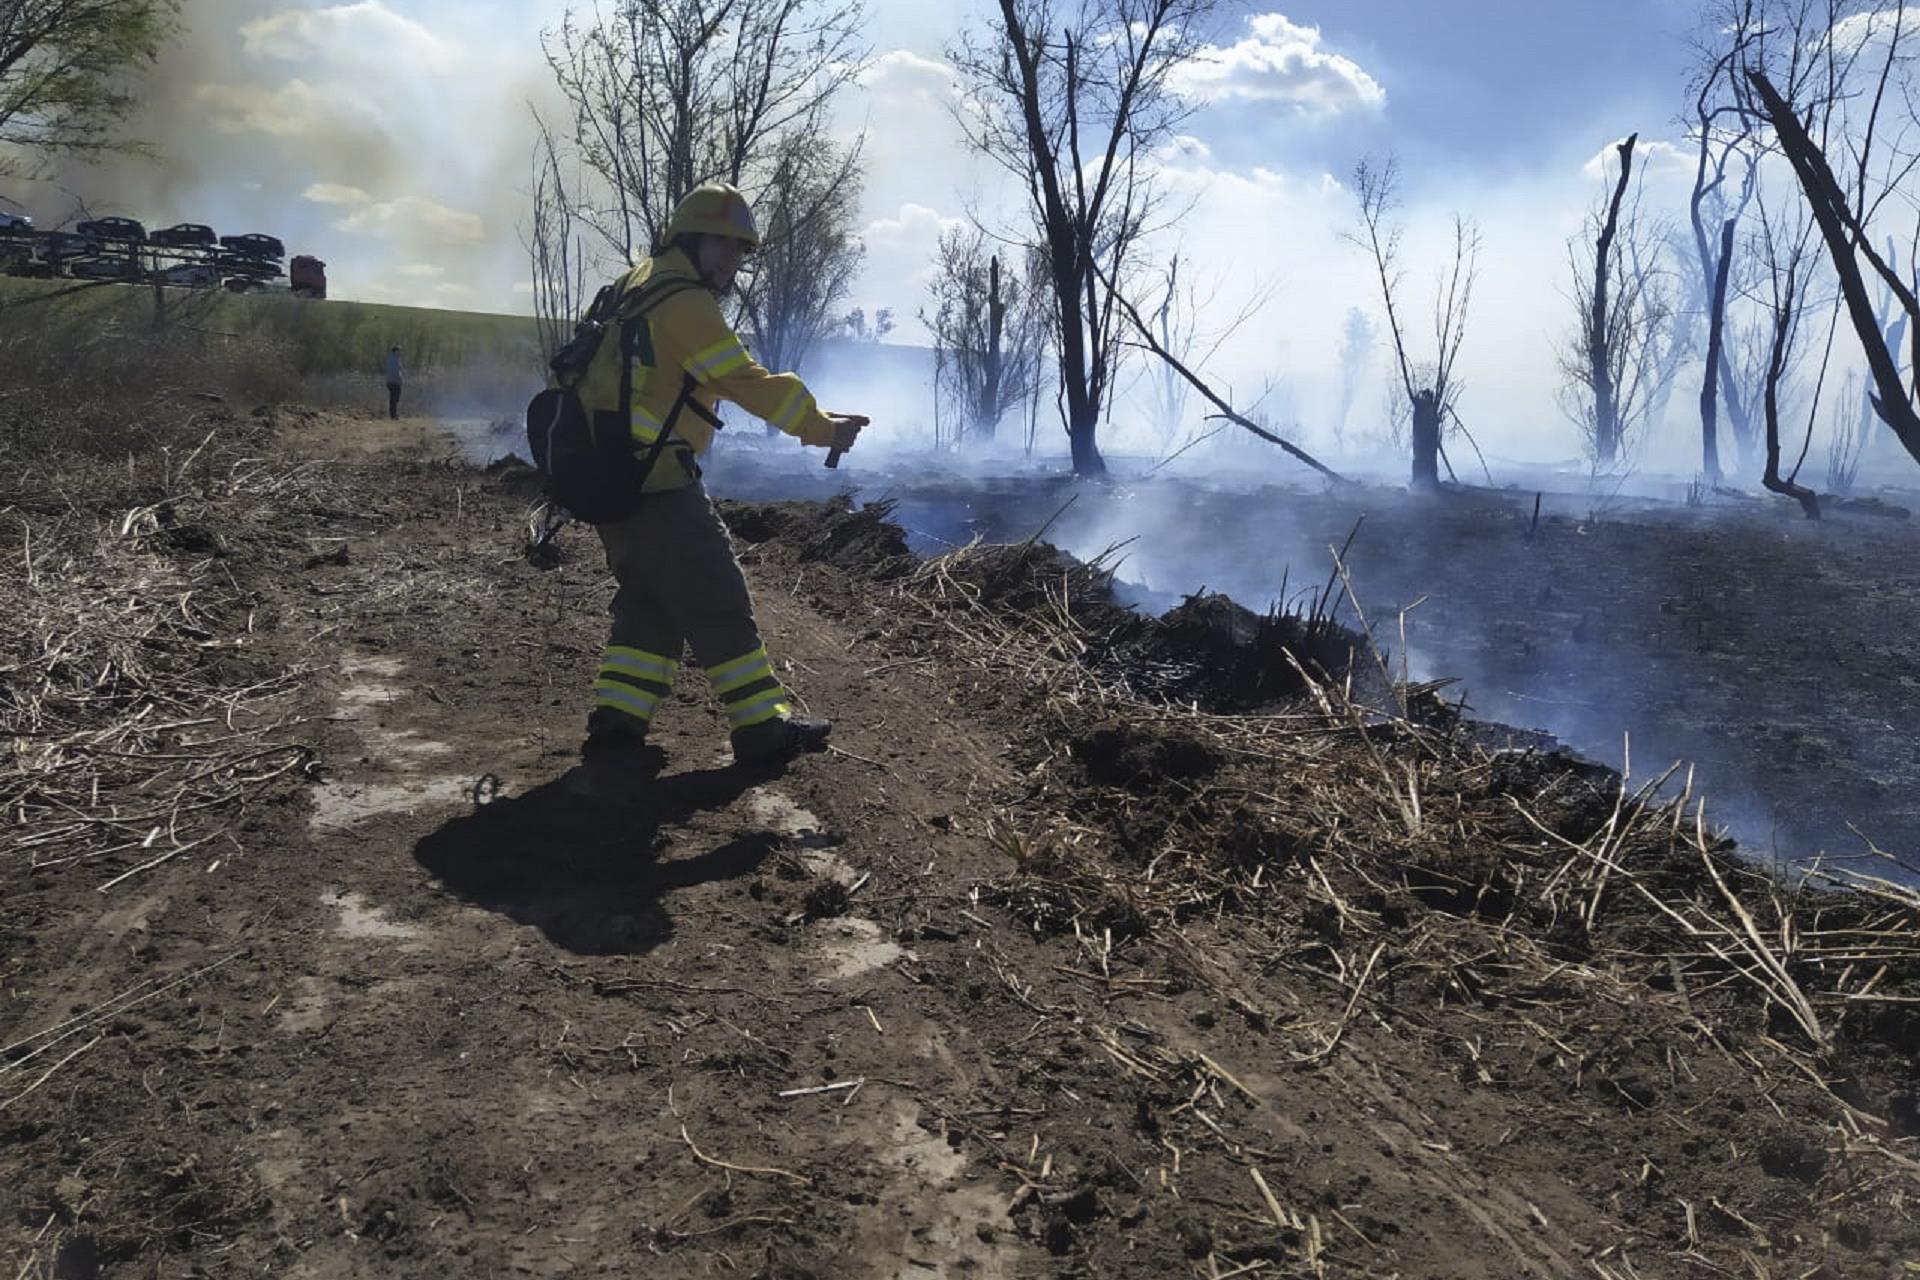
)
(390, 137)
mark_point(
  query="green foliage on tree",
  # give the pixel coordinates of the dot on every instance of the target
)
(66, 73)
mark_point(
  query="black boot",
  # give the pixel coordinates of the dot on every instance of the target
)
(611, 735)
(616, 761)
(778, 741)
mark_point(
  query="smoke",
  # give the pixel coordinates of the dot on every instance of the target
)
(392, 145)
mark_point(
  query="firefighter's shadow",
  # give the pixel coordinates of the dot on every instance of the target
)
(586, 869)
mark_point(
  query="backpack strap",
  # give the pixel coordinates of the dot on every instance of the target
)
(636, 343)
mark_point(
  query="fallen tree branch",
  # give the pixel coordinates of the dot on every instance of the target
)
(1227, 411)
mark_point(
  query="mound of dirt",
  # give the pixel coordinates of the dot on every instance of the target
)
(1209, 652)
(860, 542)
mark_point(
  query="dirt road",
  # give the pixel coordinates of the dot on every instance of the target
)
(440, 1006)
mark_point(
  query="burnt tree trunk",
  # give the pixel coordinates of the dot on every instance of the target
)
(1842, 233)
(1606, 410)
(987, 414)
(1083, 415)
(1783, 320)
(1716, 359)
(1426, 441)
(1718, 387)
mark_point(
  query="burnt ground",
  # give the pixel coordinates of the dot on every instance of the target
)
(1027, 980)
(1770, 652)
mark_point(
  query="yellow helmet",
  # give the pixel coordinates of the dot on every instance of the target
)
(714, 209)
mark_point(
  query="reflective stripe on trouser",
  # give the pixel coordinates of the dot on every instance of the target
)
(633, 681)
(680, 586)
(749, 690)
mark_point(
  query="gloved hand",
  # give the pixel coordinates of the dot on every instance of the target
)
(846, 430)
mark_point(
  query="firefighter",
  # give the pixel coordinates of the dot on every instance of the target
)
(679, 583)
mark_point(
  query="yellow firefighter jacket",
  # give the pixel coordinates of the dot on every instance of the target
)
(691, 336)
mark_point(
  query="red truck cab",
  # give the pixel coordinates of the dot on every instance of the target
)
(307, 276)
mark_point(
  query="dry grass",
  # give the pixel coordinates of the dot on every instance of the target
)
(139, 721)
(1366, 852)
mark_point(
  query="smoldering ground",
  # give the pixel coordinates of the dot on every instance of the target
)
(1760, 651)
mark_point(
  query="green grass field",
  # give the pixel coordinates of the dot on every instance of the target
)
(318, 338)
(269, 346)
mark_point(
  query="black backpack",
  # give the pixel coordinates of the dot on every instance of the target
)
(585, 452)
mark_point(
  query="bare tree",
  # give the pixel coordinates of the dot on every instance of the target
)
(1431, 389)
(1624, 305)
(63, 66)
(1723, 136)
(552, 237)
(1182, 328)
(1143, 337)
(667, 94)
(1176, 318)
(1783, 244)
(855, 327)
(1357, 340)
(1071, 96)
(1847, 442)
(1822, 87)
(810, 256)
(989, 333)
(1686, 309)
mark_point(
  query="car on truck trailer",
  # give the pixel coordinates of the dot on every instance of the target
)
(189, 275)
(104, 268)
(113, 229)
(235, 264)
(185, 235)
(61, 246)
(254, 246)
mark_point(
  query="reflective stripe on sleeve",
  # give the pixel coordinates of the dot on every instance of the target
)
(793, 410)
(718, 360)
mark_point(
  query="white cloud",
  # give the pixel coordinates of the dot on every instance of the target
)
(1183, 149)
(1856, 33)
(1280, 61)
(903, 72)
(1654, 161)
(346, 30)
(913, 226)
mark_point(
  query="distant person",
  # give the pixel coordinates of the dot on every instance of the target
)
(679, 583)
(393, 382)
